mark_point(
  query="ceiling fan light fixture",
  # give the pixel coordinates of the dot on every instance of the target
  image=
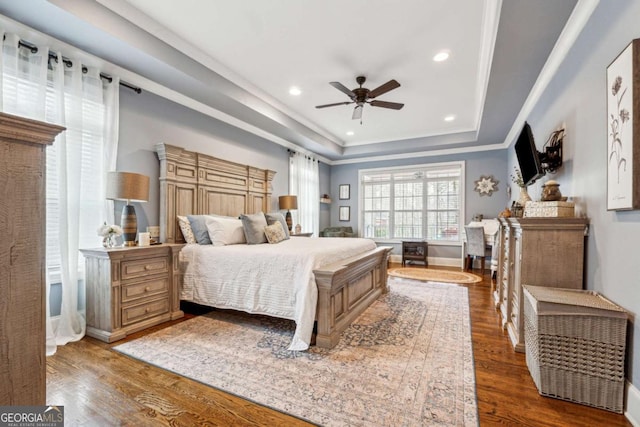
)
(443, 55)
(295, 91)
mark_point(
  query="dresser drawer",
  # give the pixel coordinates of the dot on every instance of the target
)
(134, 291)
(131, 269)
(136, 313)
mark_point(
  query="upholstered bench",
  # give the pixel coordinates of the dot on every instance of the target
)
(337, 232)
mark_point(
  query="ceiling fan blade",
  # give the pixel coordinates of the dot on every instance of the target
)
(357, 112)
(390, 85)
(385, 104)
(333, 105)
(343, 88)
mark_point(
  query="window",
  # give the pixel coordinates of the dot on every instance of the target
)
(412, 202)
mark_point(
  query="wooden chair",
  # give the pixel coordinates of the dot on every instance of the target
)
(475, 247)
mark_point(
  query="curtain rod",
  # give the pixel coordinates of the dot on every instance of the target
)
(34, 49)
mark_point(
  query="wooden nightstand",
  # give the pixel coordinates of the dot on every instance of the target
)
(301, 235)
(414, 251)
(130, 289)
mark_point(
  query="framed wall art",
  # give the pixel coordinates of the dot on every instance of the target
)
(344, 213)
(623, 130)
(344, 191)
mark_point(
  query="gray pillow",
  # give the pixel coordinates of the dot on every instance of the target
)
(199, 228)
(254, 225)
(274, 217)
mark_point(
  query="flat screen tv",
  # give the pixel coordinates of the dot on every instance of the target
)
(528, 156)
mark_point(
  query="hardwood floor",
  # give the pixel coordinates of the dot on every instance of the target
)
(99, 386)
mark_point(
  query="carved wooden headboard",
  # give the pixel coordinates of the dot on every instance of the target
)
(194, 183)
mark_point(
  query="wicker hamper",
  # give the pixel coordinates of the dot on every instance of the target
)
(575, 345)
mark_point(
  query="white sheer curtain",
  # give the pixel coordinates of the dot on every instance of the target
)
(304, 182)
(35, 86)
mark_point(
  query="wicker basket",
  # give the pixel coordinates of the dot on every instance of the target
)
(575, 346)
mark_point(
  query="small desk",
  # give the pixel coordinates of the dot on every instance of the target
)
(414, 250)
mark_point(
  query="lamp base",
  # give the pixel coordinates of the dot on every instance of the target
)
(129, 224)
(288, 220)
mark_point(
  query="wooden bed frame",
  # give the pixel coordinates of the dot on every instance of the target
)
(194, 183)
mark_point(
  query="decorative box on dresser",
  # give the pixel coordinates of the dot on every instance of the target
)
(539, 252)
(22, 259)
(130, 289)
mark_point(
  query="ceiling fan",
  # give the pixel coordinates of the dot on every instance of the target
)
(361, 96)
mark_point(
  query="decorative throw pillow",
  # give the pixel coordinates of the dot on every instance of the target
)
(275, 233)
(254, 225)
(185, 227)
(225, 231)
(273, 217)
(199, 228)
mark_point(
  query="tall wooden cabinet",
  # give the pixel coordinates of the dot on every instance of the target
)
(22, 259)
(539, 252)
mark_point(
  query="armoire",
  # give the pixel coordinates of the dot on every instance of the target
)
(22, 259)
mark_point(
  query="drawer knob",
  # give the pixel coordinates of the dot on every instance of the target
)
(147, 267)
(147, 289)
(146, 310)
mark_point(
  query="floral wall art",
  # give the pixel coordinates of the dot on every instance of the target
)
(623, 125)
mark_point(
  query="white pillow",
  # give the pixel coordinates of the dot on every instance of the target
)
(225, 231)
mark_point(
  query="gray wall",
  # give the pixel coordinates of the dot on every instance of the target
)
(577, 97)
(476, 164)
(147, 119)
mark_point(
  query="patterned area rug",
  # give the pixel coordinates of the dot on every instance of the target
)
(428, 275)
(406, 361)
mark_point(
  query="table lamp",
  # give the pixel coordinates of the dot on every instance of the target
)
(131, 187)
(288, 202)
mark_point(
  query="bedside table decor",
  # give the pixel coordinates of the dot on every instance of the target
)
(130, 187)
(109, 234)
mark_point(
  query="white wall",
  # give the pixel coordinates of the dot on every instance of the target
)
(577, 97)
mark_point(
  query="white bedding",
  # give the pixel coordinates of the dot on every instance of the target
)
(276, 280)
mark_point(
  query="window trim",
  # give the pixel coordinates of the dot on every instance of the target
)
(392, 169)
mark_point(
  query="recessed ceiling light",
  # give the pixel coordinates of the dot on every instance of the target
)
(350, 133)
(441, 56)
(449, 118)
(294, 90)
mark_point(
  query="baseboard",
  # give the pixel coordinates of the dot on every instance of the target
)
(443, 262)
(633, 404)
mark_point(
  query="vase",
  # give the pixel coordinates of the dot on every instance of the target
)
(524, 196)
(109, 241)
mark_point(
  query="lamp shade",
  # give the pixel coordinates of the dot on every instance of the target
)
(128, 186)
(288, 202)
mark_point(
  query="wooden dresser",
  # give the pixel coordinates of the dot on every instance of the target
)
(130, 289)
(22, 259)
(539, 252)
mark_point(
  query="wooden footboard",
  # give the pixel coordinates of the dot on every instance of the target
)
(346, 289)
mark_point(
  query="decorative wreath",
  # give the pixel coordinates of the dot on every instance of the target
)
(486, 185)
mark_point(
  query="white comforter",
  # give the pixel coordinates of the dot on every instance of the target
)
(276, 280)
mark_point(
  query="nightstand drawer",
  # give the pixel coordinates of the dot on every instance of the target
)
(134, 291)
(136, 313)
(144, 267)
